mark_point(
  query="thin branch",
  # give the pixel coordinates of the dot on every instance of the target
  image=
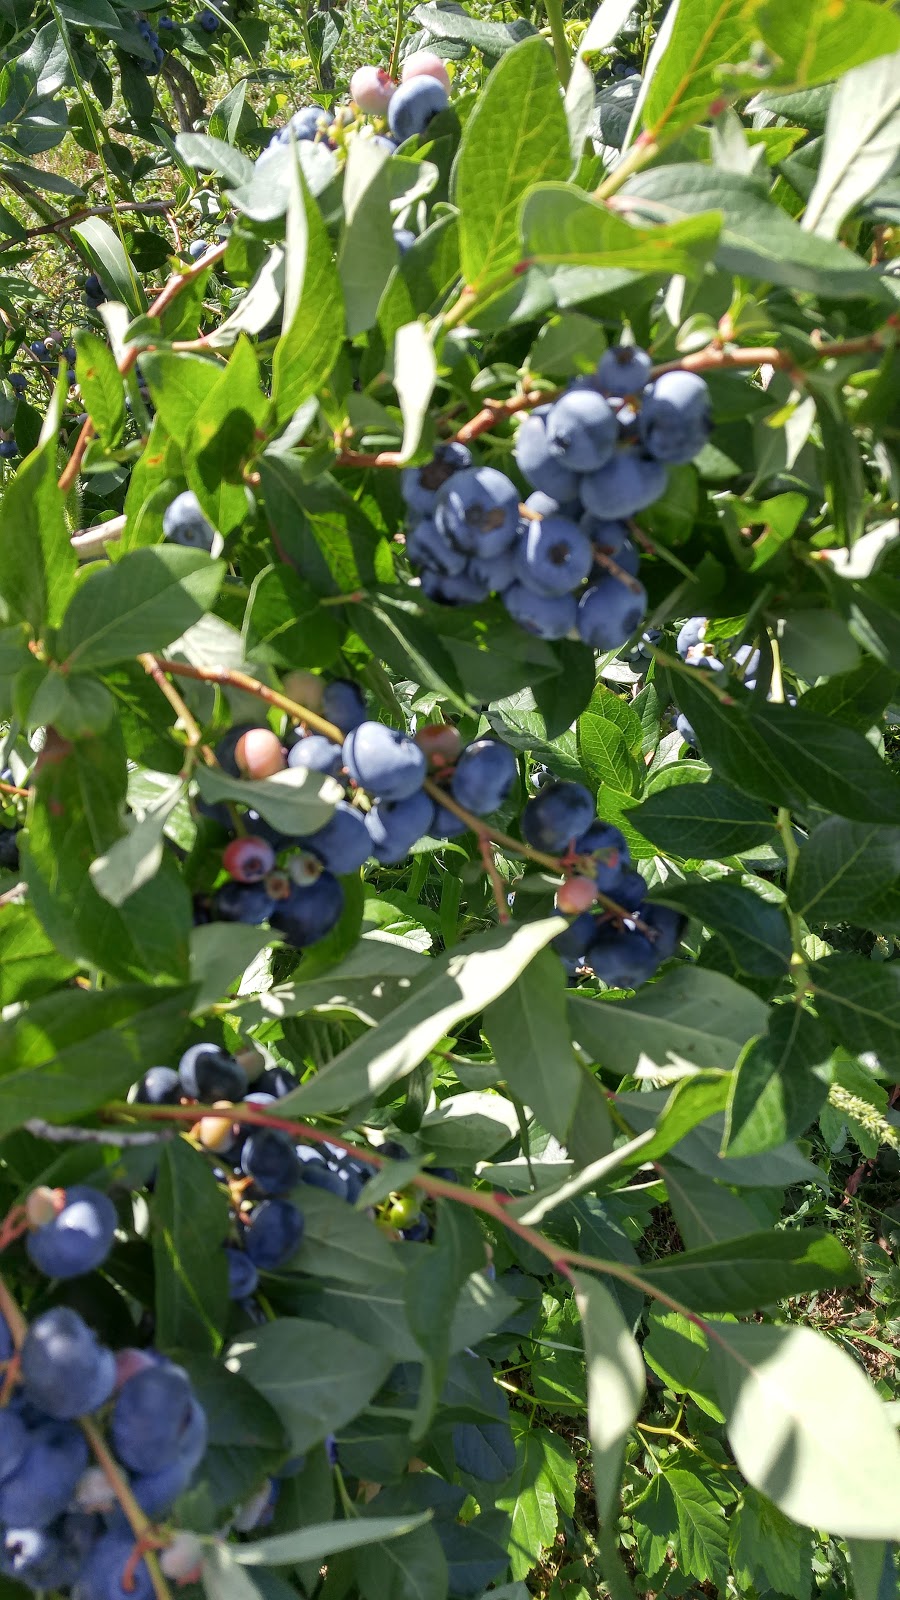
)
(140, 1525)
(66, 1135)
(191, 727)
(498, 888)
(144, 207)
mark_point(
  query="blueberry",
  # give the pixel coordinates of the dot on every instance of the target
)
(274, 1234)
(608, 613)
(318, 754)
(78, 1238)
(547, 616)
(243, 1277)
(166, 24)
(427, 547)
(343, 704)
(103, 1577)
(628, 483)
(419, 485)
(394, 826)
(9, 849)
(560, 814)
(690, 635)
(161, 1086)
(207, 20)
(554, 556)
(572, 942)
(154, 1418)
(304, 124)
(320, 1176)
(44, 1482)
(478, 508)
(414, 105)
(623, 370)
(276, 1081)
(540, 464)
(268, 1157)
(8, 449)
(484, 776)
(39, 350)
(342, 845)
(461, 590)
(64, 1370)
(155, 1492)
(310, 911)
(250, 903)
(404, 239)
(581, 431)
(94, 289)
(627, 558)
(209, 1073)
(683, 727)
(248, 859)
(36, 1557)
(675, 420)
(496, 574)
(607, 537)
(19, 382)
(748, 659)
(14, 1439)
(628, 889)
(543, 505)
(197, 248)
(184, 523)
(614, 855)
(385, 762)
(622, 958)
(668, 925)
(446, 824)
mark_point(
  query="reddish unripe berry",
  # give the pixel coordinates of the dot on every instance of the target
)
(371, 88)
(248, 860)
(441, 743)
(576, 895)
(259, 754)
(129, 1361)
(215, 1132)
(425, 64)
(306, 688)
(43, 1204)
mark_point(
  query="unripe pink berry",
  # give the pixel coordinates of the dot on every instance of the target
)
(441, 743)
(576, 895)
(43, 1204)
(248, 860)
(259, 753)
(371, 88)
(425, 64)
(129, 1361)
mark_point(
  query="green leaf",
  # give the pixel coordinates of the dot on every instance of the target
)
(690, 1014)
(296, 801)
(493, 38)
(455, 986)
(616, 1386)
(529, 1035)
(862, 136)
(859, 1000)
(694, 45)
(874, 1571)
(780, 1083)
(705, 1210)
(342, 1243)
(313, 306)
(133, 860)
(413, 1568)
(210, 154)
(758, 239)
(520, 118)
(744, 1274)
(431, 1289)
(107, 257)
(316, 1377)
(367, 253)
(700, 1149)
(75, 1050)
(792, 1399)
(285, 624)
(563, 229)
(39, 564)
(29, 961)
(415, 374)
(102, 389)
(246, 1438)
(756, 933)
(607, 756)
(844, 871)
(818, 41)
(678, 1352)
(768, 1551)
(220, 953)
(139, 604)
(529, 1500)
(325, 1539)
(179, 383)
(190, 1225)
(702, 1543)
(702, 821)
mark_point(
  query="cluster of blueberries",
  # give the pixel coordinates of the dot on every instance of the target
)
(47, 352)
(61, 1524)
(302, 897)
(563, 562)
(693, 648)
(151, 39)
(623, 951)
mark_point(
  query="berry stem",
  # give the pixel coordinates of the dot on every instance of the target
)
(496, 882)
(12, 788)
(140, 1525)
(191, 728)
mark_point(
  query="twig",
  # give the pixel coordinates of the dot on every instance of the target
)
(17, 892)
(12, 788)
(145, 207)
(66, 1135)
(191, 727)
(92, 540)
(497, 885)
(140, 1525)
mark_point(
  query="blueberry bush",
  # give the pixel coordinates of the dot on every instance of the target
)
(450, 850)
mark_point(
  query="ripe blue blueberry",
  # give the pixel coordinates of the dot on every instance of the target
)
(39, 350)
(155, 1492)
(690, 635)
(274, 1234)
(14, 1438)
(419, 485)
(184, 523)
(543, 505)
(582, 430)
(547, 616)
(276, 1081)
(41, 1487)
(478, 508)
(556, 817)
(19, 382)
(8, 449)
(621, 958)
(683, 727)
(628, 483)
(414, 105)
(554, 556)
(64, 1370)
(197, 248)
(154, 1418)
(747, 659)
(623, 370)
(209, 1073)
(539, 463)
(161, 1086)
(34, 1556)
(382, 142)
(9, 850)
(343, 704)
(404, 239)
(304, 124)
(394, 826)
(606, 537)
(207, 20)
(95, 294)
(483, 776)
(609, 612)
(446, 824)
(668, 926)
(572, 942)
(103, 1577)
(310, 911)
(675, 420)
(459, 590)
(343, 844)
(269, 1158)
(166, 24)
(494, 574)
(384, 761)
(243, 1277)
(427, 547)
(250, 903)
(78, 1238)
(628, 889)
(317, 753)
(604, 841)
